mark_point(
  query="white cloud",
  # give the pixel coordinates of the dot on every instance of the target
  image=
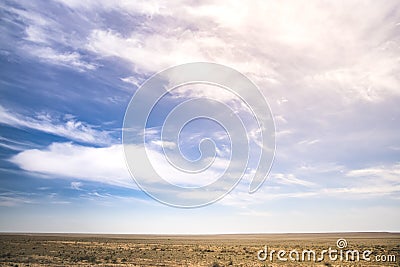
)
(309, 142)
(279, 119)
(71, 129)
(132, 80)
(368, 183)
(353, 58)
(35, 34)
(66, 59)
(11, 199)
(318, 168)
(76, 185)
(66, 160)
(365, 191)
(29, 16)
(380, 174)
(45, 35)
(178, 177)
(310, 58)
(290, 179)
(13, 144)
(142, 6)
(164, 144)
(283, 133)
(213, 92)
(148, 53)
(366, 70)
(105, 165)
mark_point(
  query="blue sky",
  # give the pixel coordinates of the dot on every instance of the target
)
(329, 71)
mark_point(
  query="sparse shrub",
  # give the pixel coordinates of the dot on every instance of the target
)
(92, 259)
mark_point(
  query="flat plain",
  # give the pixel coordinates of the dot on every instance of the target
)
(193, 250)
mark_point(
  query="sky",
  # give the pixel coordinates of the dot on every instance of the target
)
(328, 69)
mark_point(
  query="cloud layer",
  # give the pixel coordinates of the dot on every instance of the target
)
(329, 71)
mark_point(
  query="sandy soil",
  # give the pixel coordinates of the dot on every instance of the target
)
(191, 250)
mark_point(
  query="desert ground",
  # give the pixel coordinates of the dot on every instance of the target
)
(189, 250)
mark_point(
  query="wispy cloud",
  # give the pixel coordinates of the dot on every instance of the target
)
(14, 144)
(67, 59)
(76, 185)
(290, 179)
(136, 81)
(11, 199)
(46, 40)
(141, 50)
(368, 73)
(68, 128)
(368, 183)
(309, 142)
(141, 7)
(381, 174)
(367, 48)
(8, 144)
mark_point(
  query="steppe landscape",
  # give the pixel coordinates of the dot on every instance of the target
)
(185, 250)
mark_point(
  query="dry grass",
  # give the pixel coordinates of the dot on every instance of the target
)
(151, 250)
